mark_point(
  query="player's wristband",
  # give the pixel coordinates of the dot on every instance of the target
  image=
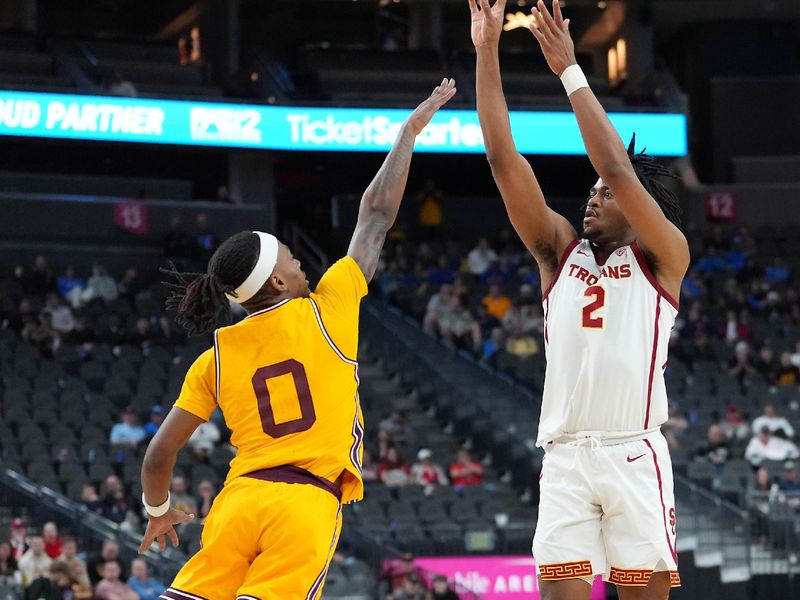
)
(156, 511)
(573, 79)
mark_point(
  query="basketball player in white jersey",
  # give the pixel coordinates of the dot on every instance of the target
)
(610, 300)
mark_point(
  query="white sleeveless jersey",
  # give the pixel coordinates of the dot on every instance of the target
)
(607, 328)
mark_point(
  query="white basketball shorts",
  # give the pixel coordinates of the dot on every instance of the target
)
(607, 510)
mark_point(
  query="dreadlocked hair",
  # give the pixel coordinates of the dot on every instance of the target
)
(647, 170)
(198, 299)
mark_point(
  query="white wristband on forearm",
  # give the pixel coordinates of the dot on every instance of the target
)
(573, 79)
(156, 511)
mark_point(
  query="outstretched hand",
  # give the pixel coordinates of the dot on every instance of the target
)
(552, 32)
(487, 23)
(159, 528)
(423, 114)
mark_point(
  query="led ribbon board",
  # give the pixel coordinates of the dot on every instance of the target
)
(266, 127)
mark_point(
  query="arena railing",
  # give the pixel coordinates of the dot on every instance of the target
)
(90, 530)
(719, 531)
(775, 519)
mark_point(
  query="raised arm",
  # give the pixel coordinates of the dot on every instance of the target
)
(381, 200)
(544, 232)
(656, 235)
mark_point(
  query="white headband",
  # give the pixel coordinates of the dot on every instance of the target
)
(267, 259)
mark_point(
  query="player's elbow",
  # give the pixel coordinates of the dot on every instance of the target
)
(616, 172)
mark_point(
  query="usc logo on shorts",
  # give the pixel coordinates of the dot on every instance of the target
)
(672, 520)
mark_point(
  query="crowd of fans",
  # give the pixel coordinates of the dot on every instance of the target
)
(739, 323)
(385, 460)
(401, 579)
(46, 566)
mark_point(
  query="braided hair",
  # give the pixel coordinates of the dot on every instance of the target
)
(198, 299)
(647, 171)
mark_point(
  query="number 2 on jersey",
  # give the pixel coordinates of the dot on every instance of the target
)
(599, 294)
(307, 414)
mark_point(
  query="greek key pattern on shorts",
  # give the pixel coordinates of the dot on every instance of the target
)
(637, 577)
(568, 570)
(674, 579)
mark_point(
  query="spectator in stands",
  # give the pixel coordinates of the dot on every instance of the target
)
(767, 365)
(101, 286)
(34, 563)
(480, 258)
(438, 304)
(96, 564)
(778, 271)
(496, 302)
(410, 589)
(81, 336)
(205, 240)
(81, 588)
(19, 538)
(739, 365)
(496, 342)
(24, 315)
(71, 287)
(206, 492)
(766, 446)
(399, 431)
(525, 315)
(396, 570)
(60, 315)
(521, 344)
(127, 433)
(770, 419)
(369, 470)
(167, 334)
(114, 333)
(90, 499)
(145, 587)
(427, 473)
(9, 571)
(69, 554)
(440, 273)
(440, 589)
(465, 471)
(52, 541)
(180, 497)
(112, 586)
(116, 502)
(788, 374)
(716, 450)
(735, 330)
(393, 471)
(130, 285)
(40, 334)
(764, 480)
(177, 243)
(734, 426)
(791, 479)
(459, 327)
(203, 440)
(157, 415)
(40, 278)
(142, 336)
(55, 585)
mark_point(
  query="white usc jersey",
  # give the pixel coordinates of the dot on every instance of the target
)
(607, 329)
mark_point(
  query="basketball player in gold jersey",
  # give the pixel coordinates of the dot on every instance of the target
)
(286, 380)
